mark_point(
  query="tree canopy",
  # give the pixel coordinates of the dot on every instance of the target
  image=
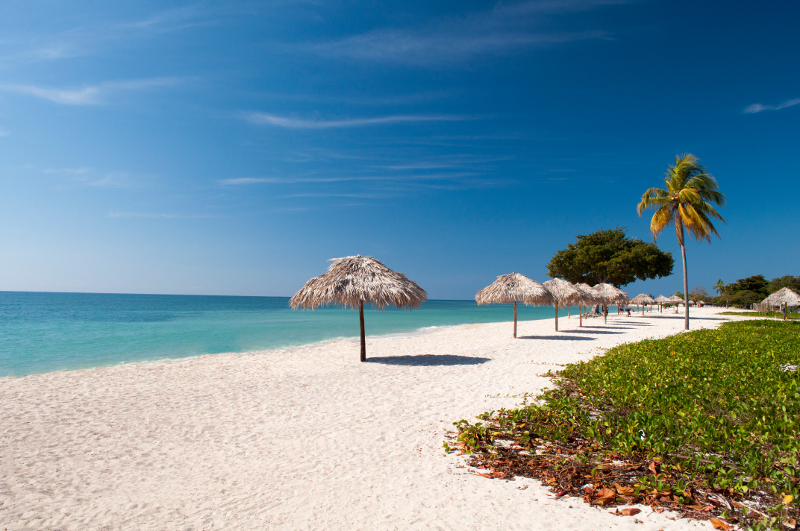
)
(610, 256)
(787, 281)
(698, 293)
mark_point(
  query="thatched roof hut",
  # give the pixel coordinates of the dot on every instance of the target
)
(783, 296)
(661, 298)
(564, 294)
(514, 288)
(353, 280)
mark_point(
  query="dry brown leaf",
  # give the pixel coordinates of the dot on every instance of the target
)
(604, 496)
(623, 490)
(719, 524)
(630, 511)
(652, 467)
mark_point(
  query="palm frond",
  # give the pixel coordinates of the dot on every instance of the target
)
(652, 198)
(661, 219)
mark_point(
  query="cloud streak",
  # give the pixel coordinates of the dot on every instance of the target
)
(90, 94)
(501, 30)
(757, 107)
(261, 118)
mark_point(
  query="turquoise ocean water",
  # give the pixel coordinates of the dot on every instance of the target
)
(44, 332)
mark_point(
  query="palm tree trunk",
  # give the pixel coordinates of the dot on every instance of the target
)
(363, 334)
(685, 289)
(515, 319)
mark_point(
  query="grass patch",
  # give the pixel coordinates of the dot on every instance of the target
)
(793, 315)
(704, 422)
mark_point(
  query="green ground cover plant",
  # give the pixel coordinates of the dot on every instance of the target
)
(705, 423)
(777, 315)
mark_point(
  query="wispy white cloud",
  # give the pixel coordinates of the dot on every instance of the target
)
(72, 171)
(150, 215)
(90, 94)
(261, 118)
(758, 107)
(503, 29)
(241, 181)
(96, 39)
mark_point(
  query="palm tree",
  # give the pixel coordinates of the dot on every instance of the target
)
(719, 287)
(686, 202)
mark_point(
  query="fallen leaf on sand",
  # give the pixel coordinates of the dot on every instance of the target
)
(719, 524)
(623, 490)
(652, 467)
(630, 511)
(604, 496)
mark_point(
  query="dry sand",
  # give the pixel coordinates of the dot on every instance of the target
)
(305, 438)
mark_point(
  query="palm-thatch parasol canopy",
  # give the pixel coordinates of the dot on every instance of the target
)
(783, 296)
(589, 298)
(353, 280)
(514, 288)
(675, 300)
(661, 300)
(643, 299)
(564, 294)
(610, 295)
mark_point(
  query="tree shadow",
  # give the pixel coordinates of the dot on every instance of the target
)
(428, 360)
(559, 338)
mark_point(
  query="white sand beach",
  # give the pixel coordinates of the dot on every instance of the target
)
(306, 438)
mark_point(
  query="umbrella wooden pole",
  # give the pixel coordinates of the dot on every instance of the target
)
(580, 315)
(556, 305)
(363, 335)
(515, 319)
(605, 314)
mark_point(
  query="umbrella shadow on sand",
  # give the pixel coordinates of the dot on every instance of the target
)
(561, 338)
(595, 332)
(428, 360)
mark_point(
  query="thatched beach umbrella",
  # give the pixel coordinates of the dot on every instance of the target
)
(784, 297)
(589, 298)
(675, 300)
(661, 300)
(642, 299)
(610, 295)
(564, 294)
(353, 280)
(514, 288)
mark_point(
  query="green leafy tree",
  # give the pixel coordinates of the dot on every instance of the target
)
(745, 298)
(609, 256)
(686, 202)
(787, 281)
(698, 293)
(757, 284)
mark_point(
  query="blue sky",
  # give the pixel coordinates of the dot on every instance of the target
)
(233, 147)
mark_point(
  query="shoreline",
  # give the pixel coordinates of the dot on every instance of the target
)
(302, 438)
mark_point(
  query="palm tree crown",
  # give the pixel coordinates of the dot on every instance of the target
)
(686, 202)
(719, 287)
